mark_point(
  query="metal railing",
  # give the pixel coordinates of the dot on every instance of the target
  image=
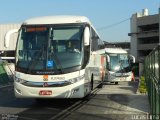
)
(152, 77)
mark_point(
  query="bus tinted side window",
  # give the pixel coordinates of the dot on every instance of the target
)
(96, 42)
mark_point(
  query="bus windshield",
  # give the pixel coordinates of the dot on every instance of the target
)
(49, 48)
(119, 62)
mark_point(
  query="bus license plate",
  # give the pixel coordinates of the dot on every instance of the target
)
(122, 78)
(45, 92)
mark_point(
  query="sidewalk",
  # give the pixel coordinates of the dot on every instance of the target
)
(124, 102)
(142, 99)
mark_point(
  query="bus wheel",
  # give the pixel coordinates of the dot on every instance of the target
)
(116, 83)
(91, 83)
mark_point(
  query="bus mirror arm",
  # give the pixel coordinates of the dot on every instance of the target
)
(108, 58)
(108, 66)
(86, 36)
(108, 62)
(7, 37)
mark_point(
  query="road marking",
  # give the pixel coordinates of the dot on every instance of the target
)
(74, 107)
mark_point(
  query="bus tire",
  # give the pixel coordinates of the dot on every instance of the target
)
(116, 83)
(91, 83)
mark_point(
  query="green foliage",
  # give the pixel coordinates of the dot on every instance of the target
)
(142, 87)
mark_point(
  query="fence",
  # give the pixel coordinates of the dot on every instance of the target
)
(152, 77)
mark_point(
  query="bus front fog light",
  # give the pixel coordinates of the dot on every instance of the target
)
(20, 80)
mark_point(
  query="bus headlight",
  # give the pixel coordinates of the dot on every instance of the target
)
(19, 80)
(74, 80)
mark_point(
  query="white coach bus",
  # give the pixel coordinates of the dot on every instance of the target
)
(118, 66)
(56, 58)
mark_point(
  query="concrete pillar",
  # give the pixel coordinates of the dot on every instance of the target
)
(134, 31)
(141, 68)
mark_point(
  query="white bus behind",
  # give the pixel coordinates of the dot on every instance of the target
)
(118, 66)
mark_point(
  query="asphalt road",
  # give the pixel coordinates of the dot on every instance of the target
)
(112, 102)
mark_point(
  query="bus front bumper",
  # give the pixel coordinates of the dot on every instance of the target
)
(75, 90)
(117, 79)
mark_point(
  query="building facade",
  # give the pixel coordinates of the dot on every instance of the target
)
(144, 34)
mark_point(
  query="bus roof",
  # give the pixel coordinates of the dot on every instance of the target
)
(111, 50)
(115, 50)
(57, 20)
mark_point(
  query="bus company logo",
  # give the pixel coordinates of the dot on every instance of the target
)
(45, 77)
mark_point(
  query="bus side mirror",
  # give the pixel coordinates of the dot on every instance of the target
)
(86, 36)
(7, 37)
(108, 58)
(132, 59)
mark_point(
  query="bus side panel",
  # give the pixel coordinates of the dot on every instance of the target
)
(95, 68)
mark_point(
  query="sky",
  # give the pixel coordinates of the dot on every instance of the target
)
(102, 13)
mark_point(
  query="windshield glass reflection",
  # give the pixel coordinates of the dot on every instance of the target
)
(49, 47)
